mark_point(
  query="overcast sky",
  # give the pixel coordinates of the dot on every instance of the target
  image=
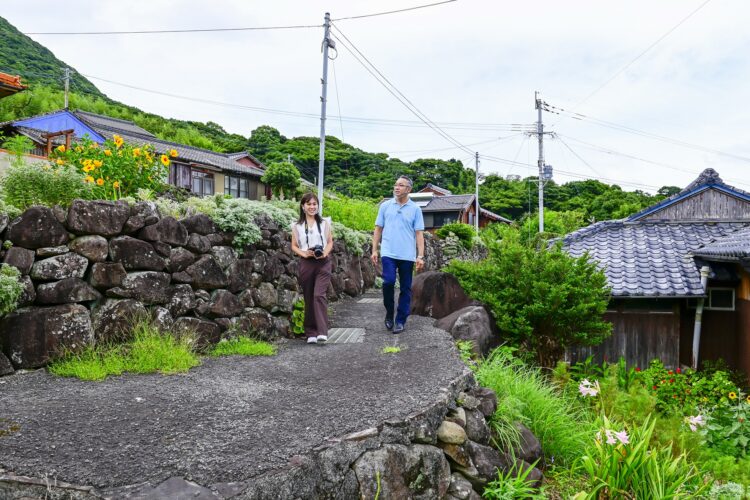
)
(471, 66)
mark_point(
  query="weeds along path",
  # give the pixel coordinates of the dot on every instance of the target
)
(230, 419)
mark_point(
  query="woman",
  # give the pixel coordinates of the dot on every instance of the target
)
(312, 240)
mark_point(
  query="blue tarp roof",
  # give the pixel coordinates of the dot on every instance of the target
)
(60, 120)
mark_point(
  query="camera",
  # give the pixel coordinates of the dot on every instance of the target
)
(318, 251)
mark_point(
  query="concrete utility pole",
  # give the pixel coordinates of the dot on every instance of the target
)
(327, 42)
(67, 85)
(540, 138)
(476, 193)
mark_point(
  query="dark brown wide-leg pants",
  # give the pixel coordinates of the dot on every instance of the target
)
(314, 277)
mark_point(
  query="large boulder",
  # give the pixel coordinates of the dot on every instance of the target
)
(180, 259)
(169, 230)
(31, 337)
(258, 322)
(224, 255)
(93, 247)
(135, 254)
(198, 243)
(200, 224)
(107, 275)
(488, 461)
(437, 294)
(529, 448)
(181, 300)
(113, 320)
(28, 296)
(149, 287)
(105, 218)
(224, 304)
(265, 296)
(20, 258)
(471, 323)
(146, 210)
(69, 290)
(68, 265)
(476, 427)
(415, 472)
(206, 273)
(206, 332)
(240, 274)
(36, 228)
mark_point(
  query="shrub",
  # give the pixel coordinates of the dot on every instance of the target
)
(10, 289)
(355, 241)
(298, 317)
(464, 232)
(282, 177)
(239, 216)
(25, 185)
(355, 214)
(115, 169)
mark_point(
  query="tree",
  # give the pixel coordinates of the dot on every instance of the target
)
(281, 176)
(542, 299)
(667, 191)
(264, 139)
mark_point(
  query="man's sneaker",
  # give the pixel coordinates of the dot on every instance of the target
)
(312, 340)
(388, 324)
(399, 328)
(322, 338)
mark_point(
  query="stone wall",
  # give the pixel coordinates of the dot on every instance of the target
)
(89, 270)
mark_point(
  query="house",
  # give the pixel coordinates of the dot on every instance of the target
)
(678, 272)
(201, 171)
(10, 85)
(440, 206)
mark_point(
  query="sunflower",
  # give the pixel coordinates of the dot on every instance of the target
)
(165, 160)
(118, 140)
(136, 152)
(61, 148)
(97, 163)
(732, 395)
(88, 179)
(60, 161)
(116, 184)
(173, 153)
(107, 152)
(100, 182)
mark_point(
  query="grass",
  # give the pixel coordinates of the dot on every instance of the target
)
(524, 394)
(243, 346)
(391, 349)
(150, 351)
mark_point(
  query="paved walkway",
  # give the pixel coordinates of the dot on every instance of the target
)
(228, 420)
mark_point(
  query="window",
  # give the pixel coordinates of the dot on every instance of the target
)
(439, 219)
(721, 299)
(236, 186)
(203, 183)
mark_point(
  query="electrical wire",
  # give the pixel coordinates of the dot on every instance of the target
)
(394, 11)
(338, 98)
(578, 156)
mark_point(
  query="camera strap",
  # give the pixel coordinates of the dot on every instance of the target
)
(307, 237)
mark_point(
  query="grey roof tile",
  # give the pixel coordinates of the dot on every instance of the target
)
(732, 247)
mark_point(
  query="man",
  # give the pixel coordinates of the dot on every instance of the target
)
(401, 227)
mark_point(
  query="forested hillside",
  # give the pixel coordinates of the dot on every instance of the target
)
(349, 170)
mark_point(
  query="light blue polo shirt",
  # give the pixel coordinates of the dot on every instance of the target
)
(399, 223)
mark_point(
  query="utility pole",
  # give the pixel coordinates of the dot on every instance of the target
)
(67, 85)
(540, 137)
(327, 42)
(476, 192)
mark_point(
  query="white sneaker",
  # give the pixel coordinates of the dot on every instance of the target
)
(312, 340)
(322, 338)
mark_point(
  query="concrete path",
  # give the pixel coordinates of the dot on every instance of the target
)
(228, 420)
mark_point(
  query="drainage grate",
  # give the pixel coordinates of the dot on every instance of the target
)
(345, 335)
(373, 300)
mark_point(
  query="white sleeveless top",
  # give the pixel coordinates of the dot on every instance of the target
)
(313, 236)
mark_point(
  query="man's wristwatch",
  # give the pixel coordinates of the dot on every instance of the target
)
(420, 257)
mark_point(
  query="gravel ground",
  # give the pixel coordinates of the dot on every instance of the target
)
(228, 420)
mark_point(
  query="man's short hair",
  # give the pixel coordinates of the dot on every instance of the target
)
(411, 184)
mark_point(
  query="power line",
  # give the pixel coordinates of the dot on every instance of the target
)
(338, 98)
(394, 11)
(578, 156)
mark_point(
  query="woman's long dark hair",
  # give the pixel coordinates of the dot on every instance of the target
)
(305, 198)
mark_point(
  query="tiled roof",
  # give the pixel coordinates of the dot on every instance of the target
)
(649, 259)
(437, 189)
(93, 120)
(735, 246)
(455, 202)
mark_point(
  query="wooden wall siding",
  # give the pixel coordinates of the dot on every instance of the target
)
(719, 337)
(638, 337)
(743, 336)
(708, 204)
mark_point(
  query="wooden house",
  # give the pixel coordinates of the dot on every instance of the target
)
(201, 171)
(440, 206)
(678, 273)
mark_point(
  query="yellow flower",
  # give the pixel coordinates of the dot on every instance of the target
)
(165, 160)
(93, 145)
(136, 152)
(100, 182)
(89, 179)
(88, 168)
(60, 161)
(61, 148)
(116, 184)
(118, 140)
(79, 149)
(107, 152)
(732, 395)
(97, 163)
(173, 153)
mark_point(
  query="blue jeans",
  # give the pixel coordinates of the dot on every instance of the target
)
(404, 268)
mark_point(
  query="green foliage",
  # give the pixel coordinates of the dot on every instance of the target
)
(282, 177)
(298, 317)
(464, 232)
(556, 224)
(622, 464)
(18, 146)
(513, 484)
(525, 394)
(354, 241)
(239, 216)
(542, 299)
(466, 351)
(150, 351)
(243, 346)
(355, 214)
(10, 289)
(728, 427)
(37, 183)
(115, 169)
